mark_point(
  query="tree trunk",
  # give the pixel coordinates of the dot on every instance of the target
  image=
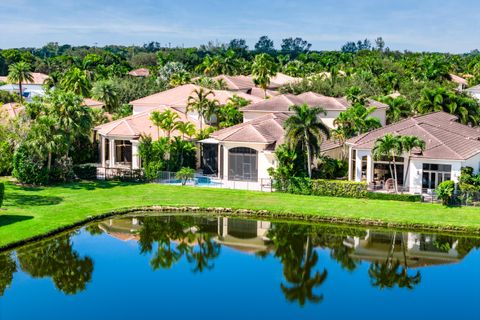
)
(405, 175)
(309, 158)
(49, 164)
(21, 91)
(395, 181)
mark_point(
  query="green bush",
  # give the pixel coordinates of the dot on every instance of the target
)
(28, 168)
(2, 193)
(339, 188)
(445, 191)
(395, 197)
(185, 174)
(85, 171)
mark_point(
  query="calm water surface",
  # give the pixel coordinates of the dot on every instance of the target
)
(221, 268)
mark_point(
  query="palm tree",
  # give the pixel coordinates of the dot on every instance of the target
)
(168, 122)
(106, 91)
(76, 81)
(408, 144)
(20, 73)
(156, 118)
(398, 108)
(200, 103)
(263, 68)
(305, 128)
(388, 146)
(187, 129)
(45, 137)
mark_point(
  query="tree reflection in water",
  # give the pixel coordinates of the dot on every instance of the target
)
(178, 237)
(55, 258)
(7, 268)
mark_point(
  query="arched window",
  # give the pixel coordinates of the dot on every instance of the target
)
(242, 164)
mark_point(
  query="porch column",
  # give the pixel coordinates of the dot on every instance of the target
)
(369, 168)
(135, 155)
(102, 151)
(358, 166)
(350, 169)
(111, 163)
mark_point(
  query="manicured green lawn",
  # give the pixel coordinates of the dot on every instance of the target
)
(35, 211)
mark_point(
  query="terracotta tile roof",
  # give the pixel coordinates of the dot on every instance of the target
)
(282, 79)
(178, 97)
(134, 126)
(282, 103)
(457, 79)
(142, 72)
(93, 103)
(444, 137)
(11, 110)
(267, 129)
(259, 92)
(38, 78)
(236, 82)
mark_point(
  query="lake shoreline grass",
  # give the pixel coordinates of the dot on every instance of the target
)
(33, 213)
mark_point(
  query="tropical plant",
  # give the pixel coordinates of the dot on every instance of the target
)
(445, 191)
(263, 68)
(76, 81)
(389, 146)
(305, 128)
(398, 108)
(408, 144)
(185, 174)
(106, 91)
(20, 73)
(199, 101)
(166, 121)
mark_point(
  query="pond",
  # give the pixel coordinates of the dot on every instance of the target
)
(194, 267)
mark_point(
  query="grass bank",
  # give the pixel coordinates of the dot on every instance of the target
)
(30, 212)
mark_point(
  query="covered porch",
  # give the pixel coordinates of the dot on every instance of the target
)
(119, 152)
(416, 176)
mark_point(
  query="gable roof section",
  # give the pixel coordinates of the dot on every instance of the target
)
(267, 129)
(134, 126)
(236, 82)
(142, 72)
(178, 97)
(283, 102)
(444, 137)
(11, 110)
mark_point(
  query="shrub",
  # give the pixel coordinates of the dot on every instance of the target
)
(2, 193)
(339, 188)
(445, 191)
(28, 168)
(184, 174)
(395, 197)
(85, 172)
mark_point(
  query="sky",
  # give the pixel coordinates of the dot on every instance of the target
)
(417, 25)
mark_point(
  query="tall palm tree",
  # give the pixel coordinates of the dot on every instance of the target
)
(199, 101)
(398, 108)
(389, 146)
(409, 143)
(106, 91)
(304, 127)
(263, 68)
(46, 138)
(168, 122)
(76, 81)
(187, 129)
(20, 73)
(156, 118)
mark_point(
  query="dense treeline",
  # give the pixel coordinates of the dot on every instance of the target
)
(410, 83)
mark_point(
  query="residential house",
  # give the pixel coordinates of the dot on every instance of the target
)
(449, 147)
(119, 139)
(10, 111)
(142, 72)
(30, 89)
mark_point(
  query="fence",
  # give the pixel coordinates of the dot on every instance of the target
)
(133, 175)
(199, 180)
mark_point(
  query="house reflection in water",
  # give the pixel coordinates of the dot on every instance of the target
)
(244, 235)
(409, 248)
(249, 236)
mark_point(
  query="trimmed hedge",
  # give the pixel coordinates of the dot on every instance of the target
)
(2, 193)
(396, 197)
(85, 172)
(339, 188)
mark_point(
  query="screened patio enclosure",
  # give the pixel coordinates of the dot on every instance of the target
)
(242, 164)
